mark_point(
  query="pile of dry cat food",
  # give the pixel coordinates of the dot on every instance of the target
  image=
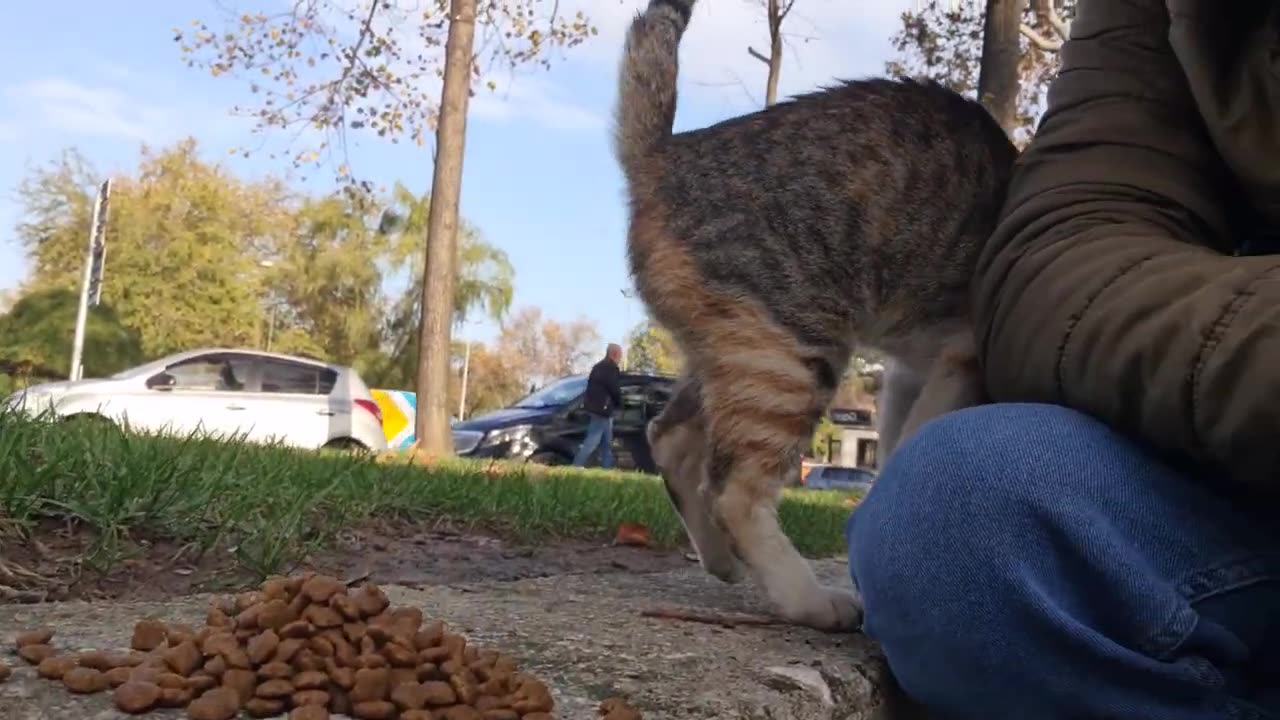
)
(308, 646)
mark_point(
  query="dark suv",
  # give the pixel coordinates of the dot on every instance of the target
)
(548, 425)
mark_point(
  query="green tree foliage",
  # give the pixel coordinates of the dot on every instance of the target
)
(942, 41)
(198, 257)
(651, 349)
(37, 333)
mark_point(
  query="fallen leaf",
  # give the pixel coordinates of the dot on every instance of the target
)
(633, 534)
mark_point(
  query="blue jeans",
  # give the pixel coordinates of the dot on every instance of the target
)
(599, 434)
(1025, 562)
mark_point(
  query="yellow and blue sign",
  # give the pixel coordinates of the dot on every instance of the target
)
(398, 409)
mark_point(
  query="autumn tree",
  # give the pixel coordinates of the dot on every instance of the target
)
(338, 66)
(651, 349)
(546, 349)
(943, 41)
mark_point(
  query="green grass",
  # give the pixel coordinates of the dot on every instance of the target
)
(273, 505)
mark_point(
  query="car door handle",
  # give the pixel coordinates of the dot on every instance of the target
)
(326, 413)
(235, 407)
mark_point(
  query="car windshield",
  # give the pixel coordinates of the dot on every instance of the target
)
(554, 395)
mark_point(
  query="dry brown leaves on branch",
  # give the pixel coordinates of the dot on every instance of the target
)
(326, 67)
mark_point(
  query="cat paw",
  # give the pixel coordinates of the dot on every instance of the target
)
(830, 610)
(724, 567)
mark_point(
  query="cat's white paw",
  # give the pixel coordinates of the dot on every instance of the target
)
(724, 566)
(829, 609)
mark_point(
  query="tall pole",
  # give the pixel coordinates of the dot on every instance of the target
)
(466, 369)
(627, 296)
(91, 281)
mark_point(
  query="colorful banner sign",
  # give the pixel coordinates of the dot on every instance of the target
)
(398, 408)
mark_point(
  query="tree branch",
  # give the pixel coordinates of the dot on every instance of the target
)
(1044, 43)
(757, 55)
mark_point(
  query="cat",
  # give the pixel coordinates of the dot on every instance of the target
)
(772, 246)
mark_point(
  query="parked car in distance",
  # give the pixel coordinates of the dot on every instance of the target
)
(260, 396)
(548, 425)
(836, 477)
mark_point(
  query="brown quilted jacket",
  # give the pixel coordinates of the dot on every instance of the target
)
(1111, 283)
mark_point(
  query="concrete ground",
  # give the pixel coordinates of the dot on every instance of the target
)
(582, 634)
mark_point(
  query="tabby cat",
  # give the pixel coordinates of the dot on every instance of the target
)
(774, 245)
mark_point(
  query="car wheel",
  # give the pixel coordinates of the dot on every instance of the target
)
(346, 446)
(548, 457)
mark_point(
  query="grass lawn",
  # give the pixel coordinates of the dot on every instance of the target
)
(271, 506)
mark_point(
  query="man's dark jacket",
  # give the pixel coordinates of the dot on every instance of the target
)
(1110, 284)
(604, 391)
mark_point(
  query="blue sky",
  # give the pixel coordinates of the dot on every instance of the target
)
(540, 180)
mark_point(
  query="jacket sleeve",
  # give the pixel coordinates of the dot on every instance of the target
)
(1107, 286)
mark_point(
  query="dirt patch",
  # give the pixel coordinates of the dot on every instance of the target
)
(55, 562)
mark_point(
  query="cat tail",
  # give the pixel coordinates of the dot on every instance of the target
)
(646, 106)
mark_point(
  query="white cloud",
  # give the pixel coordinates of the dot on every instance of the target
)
(67, 105)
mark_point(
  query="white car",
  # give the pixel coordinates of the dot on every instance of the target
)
(260, 396)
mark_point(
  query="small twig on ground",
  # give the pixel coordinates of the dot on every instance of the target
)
(724, 619)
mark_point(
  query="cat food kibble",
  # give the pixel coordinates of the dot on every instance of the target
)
(306, 647)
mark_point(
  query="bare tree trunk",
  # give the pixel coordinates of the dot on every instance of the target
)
(998, 75)
(775, 12)
(439, 275)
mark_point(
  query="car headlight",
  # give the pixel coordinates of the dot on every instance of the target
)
(465, 441)
(516, 434)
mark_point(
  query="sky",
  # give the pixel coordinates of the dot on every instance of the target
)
(540, 180)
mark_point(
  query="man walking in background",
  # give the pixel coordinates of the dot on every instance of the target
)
(603, 396)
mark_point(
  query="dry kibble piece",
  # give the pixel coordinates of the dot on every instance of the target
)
(275, 670)
(321, 646)
(466, 691)
(339, 701)
(297, 629)
(288, 648)
(148, 635)
(261, 707)
(429, 636)
(322, 587)
(275, 689)
(311, 680)
(307, 660)
(85, 681)
(374, 710)
(459, 712)
(345, 605)
(275, 588)
(217, 704)
(417, 715)
(97, 660)
(399, 655)
(371, 660)
(216, 618)
(236, 657)
(175, 697)
(409, 696)
(36, 653)
(216, 666)
(55, 666)
(311, 697)
(218, 643)
(345, 654)
(263, 646)
(500, 714)
(343, 677)
(309, 712)
(538, 716)
(380, 633)
(451, 666)
(370, 684)
(5, 672)
(201, 682)
(178, 634)
(145, 673)
(436, 654)
(322, 616)
(370, 600)
(275, 614)
(171, 680)
(183, 658)
(246, 600)
(439, 693)
(118, 676)
(248, 618)
(400, 676)
(39, 636)
(354, 631)
(136, 697)
(244, 682)
(427, 671)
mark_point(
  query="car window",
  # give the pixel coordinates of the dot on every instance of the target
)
(554, 395)
(221, 373)
(282, 376)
